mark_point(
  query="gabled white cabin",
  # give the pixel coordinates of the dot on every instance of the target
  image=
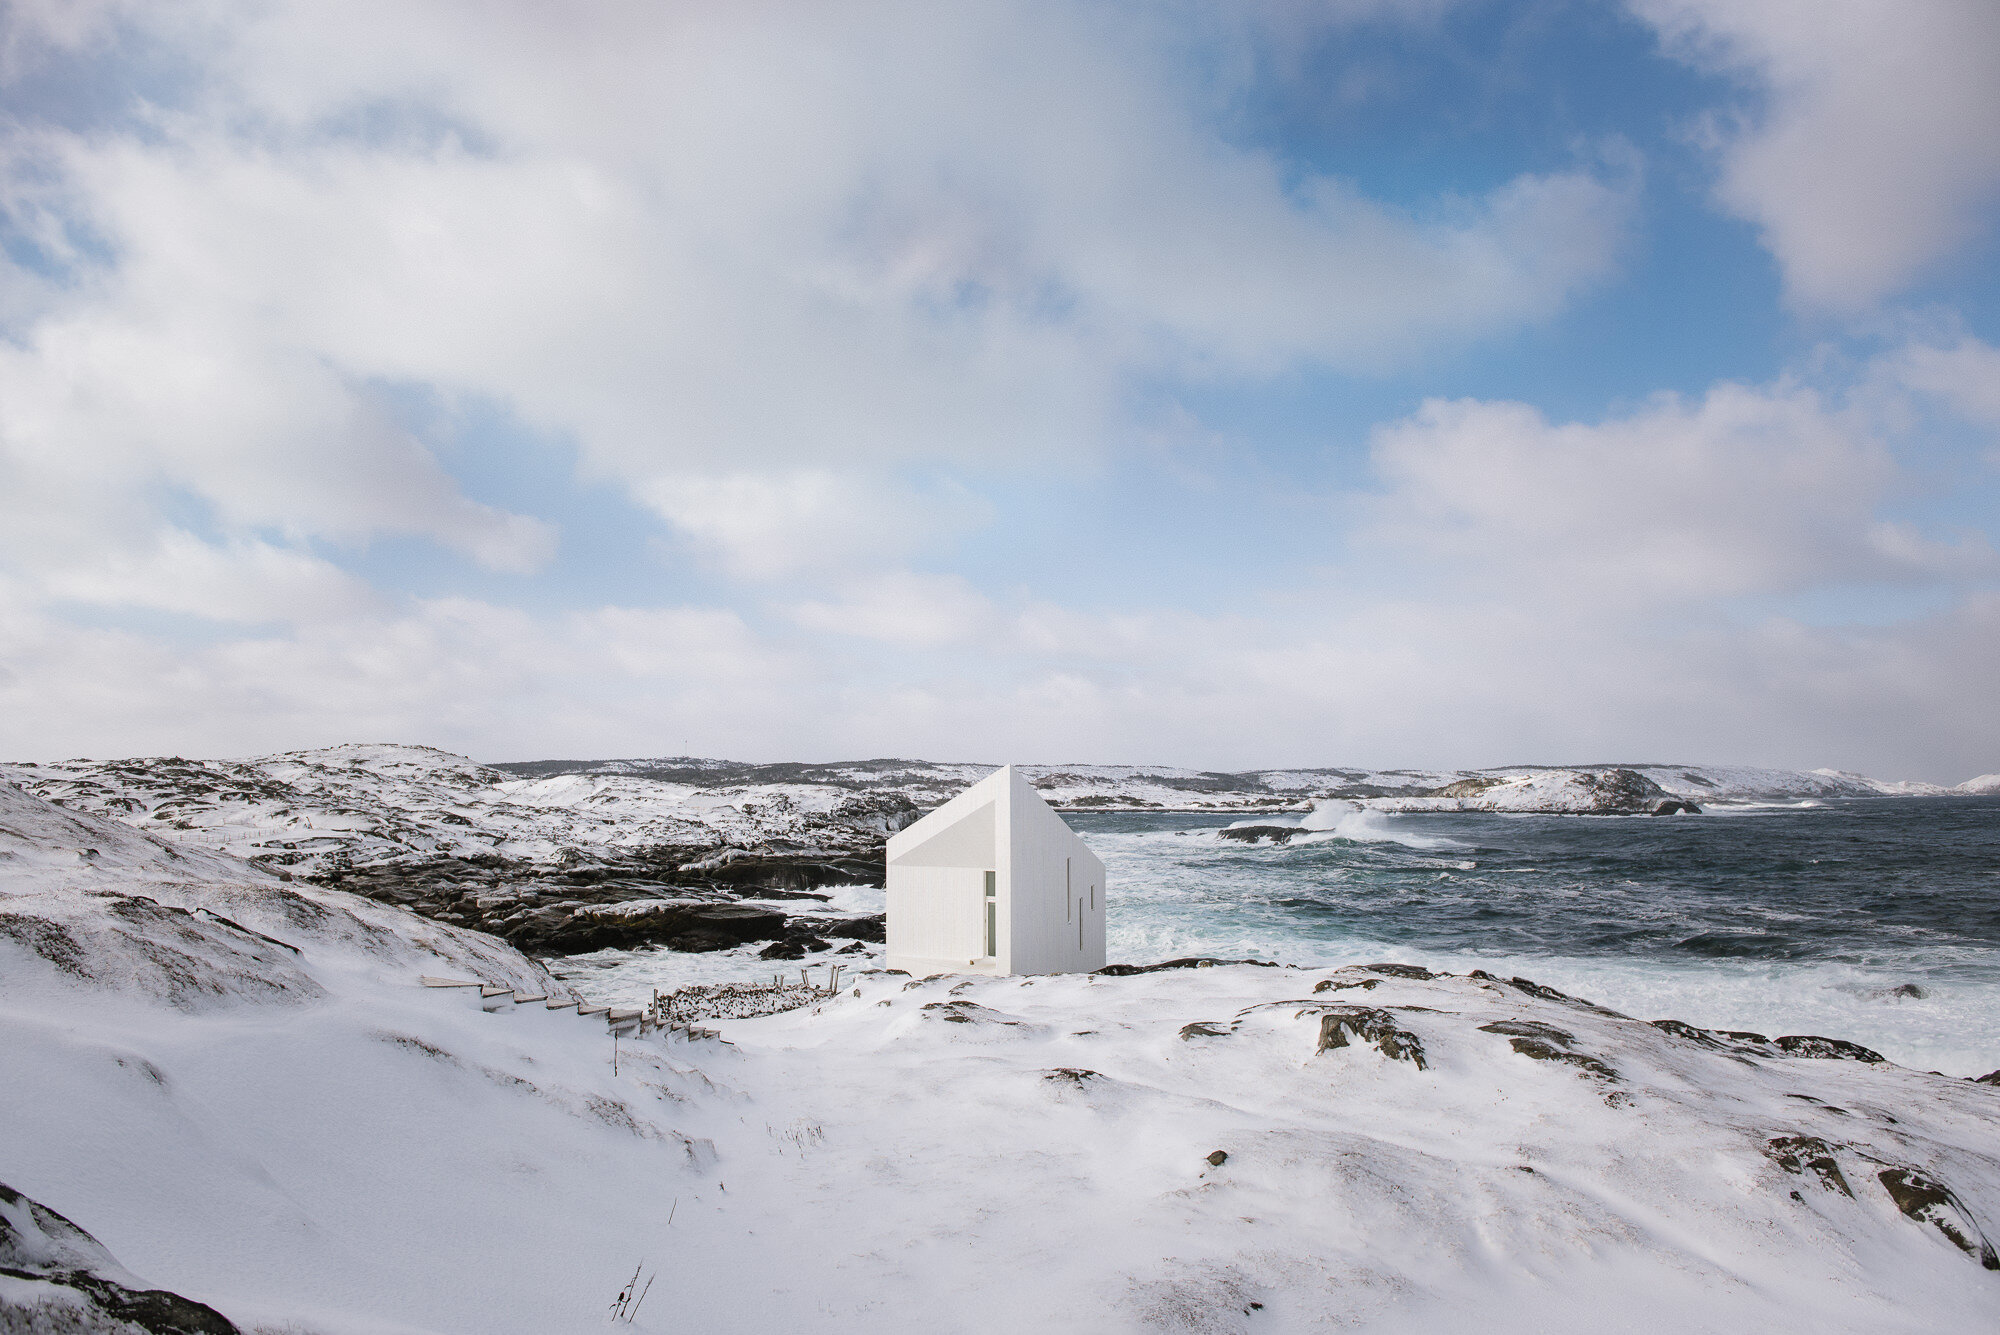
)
(994, 882)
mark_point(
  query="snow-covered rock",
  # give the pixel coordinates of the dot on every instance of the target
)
(54, 1276)
(1380, 1148)
(1616, 792)
(241, 1088)
(545, 862)
(360, 807)
(1983, 785)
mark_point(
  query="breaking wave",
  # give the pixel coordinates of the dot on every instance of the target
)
(1333, 818)
(1876, 921)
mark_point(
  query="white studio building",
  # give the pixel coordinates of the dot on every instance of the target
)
(994, 882)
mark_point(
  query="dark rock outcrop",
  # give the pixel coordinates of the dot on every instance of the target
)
(1190, 962)
(1928, 1201)
(86, 1288)
(1416, 971)
(1342, 1026)
(678, 924)
(1799, 1155)
(546, 910)
(1834, 1049)
(1250, 834)
(1747, 1043)
(1543, 992)
(1545, 1042)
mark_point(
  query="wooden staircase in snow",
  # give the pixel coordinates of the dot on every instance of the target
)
(618, 1020)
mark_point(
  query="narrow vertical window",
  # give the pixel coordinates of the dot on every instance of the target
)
(992, 917)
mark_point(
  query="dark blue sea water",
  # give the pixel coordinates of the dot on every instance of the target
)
(1820, 918)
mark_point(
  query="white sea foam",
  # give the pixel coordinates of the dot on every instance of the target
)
(1167, 902)
(1335, 818)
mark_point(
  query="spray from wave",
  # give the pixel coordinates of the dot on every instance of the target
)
(1336, 819)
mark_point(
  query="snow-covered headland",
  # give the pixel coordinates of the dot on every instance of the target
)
(558, 864)
(241, 1090)
(1554, 788)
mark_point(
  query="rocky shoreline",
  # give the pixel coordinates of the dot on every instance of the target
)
(543, 911)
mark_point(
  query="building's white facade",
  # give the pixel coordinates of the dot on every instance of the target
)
(994, 882)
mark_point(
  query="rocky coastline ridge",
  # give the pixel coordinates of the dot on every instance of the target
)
(558, 865)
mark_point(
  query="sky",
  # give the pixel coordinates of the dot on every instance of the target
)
(1292, 382)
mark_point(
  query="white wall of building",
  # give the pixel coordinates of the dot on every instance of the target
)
(1058, 900)
(1048, 900)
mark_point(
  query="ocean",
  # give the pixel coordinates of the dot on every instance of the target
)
(1872, 920)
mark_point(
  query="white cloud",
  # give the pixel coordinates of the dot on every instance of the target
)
(242, 581)
(810, 524)
(906, 608)
(450, 672)
(1874, 154)
(1966, 375)
(1338, 679)
(1747, 491)
(102, 406)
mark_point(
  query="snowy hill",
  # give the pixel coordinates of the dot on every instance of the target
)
(240, 1090)
(364, 806)
(563, 863)
(1140, 787)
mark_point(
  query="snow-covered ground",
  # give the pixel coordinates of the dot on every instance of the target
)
(380, 804)
(313, 1142)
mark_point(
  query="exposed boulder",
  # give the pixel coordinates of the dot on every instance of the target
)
(866, 927)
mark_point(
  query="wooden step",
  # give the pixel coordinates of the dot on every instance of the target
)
(520, 1000)
(593, 1010)
(429, 981)
(561, 1005)
(488, 990)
